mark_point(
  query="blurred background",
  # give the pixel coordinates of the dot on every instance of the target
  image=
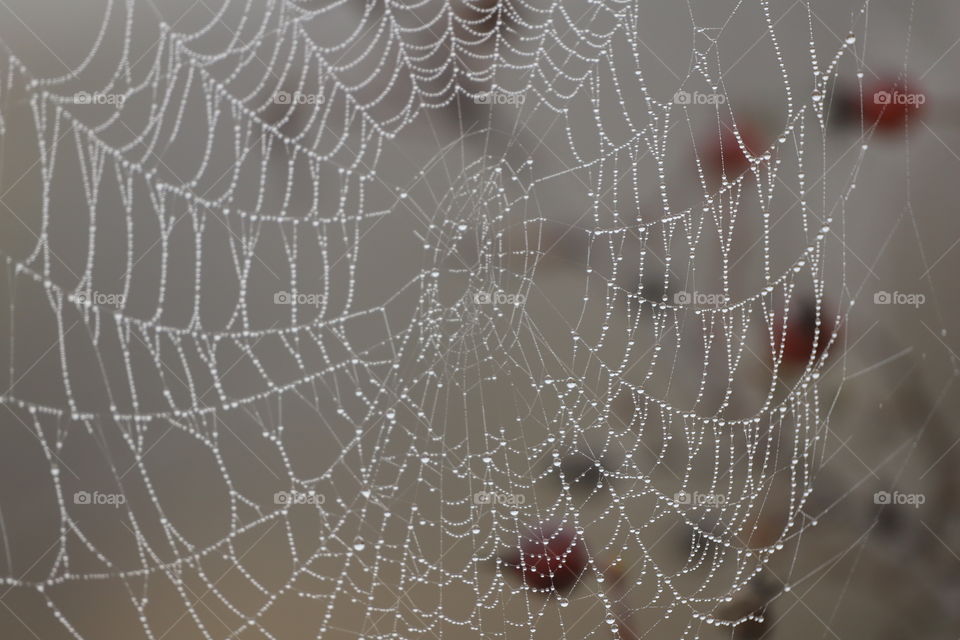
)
(287, 287)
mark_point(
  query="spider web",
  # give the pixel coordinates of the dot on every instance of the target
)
(302, 385)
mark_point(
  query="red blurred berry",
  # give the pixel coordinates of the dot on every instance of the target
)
(724, 154)
(551, 558)
(886, 103)
(801, 332)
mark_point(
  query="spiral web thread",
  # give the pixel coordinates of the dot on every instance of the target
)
(205, 198)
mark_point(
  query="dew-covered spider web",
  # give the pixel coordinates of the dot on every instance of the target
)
(378, 320)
